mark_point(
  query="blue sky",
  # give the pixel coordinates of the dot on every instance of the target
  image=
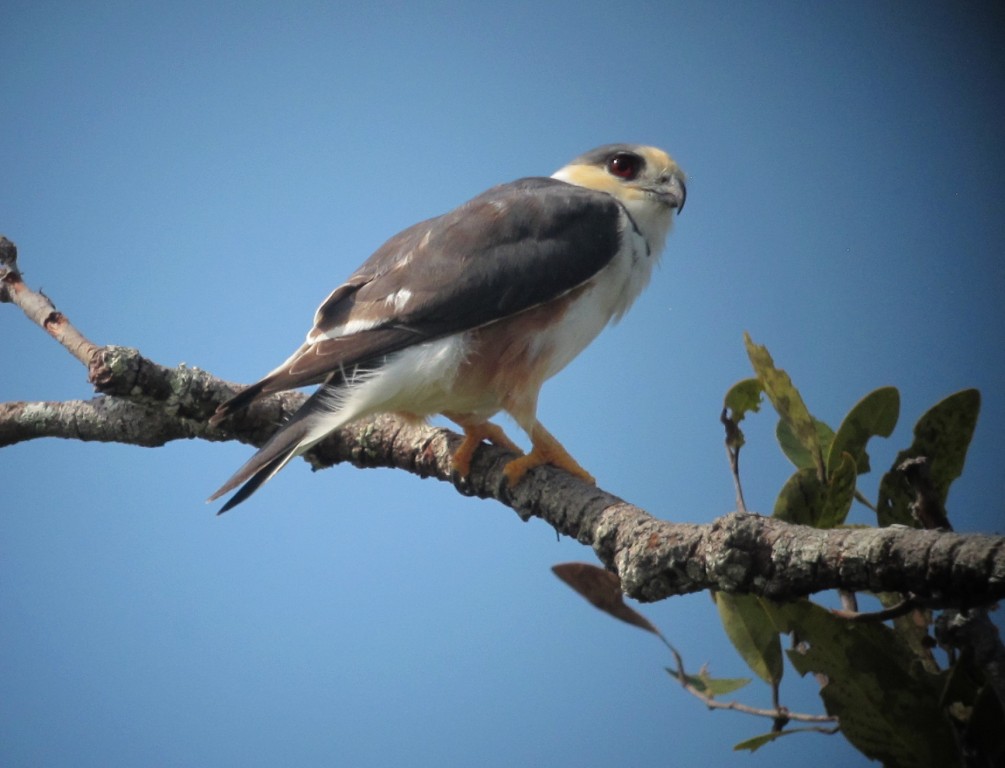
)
(193, 180)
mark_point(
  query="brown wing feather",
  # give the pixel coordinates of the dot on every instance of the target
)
(328, 355)
(315, 363)
(513, 247)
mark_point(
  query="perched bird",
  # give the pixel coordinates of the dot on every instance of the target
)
(467, 314)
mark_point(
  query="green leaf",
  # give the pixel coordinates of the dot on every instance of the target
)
(711, 686)
(759, 741)
(786, 400)
(742, 398)
(942, 435)
(888, 705)
(801, 498)
(874, 414)
(805, 500)
(912, 627)
(752, 633)
(793, 447)
(840, 493)
(720, 686)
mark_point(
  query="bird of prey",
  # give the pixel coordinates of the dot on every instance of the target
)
(467, 314)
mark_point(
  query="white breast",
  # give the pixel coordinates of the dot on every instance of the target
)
(612, 292)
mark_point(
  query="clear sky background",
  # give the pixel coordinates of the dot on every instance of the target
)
(193, 178)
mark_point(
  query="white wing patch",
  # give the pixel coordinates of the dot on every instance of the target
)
(399, 299)
(346, 329)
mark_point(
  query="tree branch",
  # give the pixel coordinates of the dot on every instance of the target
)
(144, 403)
(149, 404)
(103, 419)
(37, 306)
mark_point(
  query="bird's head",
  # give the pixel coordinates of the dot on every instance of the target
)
(646, 180)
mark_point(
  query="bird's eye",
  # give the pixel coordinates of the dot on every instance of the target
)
(625, 165)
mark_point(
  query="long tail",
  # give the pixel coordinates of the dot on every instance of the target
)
(276, 381)
(315, 419)
(242, 399)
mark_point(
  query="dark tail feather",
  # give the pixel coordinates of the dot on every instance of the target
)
(242, 399)
(290, 375)
(271, 458)
(278, 381)
(260, 476)
(293, 438)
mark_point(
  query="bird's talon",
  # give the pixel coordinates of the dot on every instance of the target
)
(473, 437)
(516, 469)
(463, 455)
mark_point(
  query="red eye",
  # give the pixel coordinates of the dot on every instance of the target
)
(624, 165)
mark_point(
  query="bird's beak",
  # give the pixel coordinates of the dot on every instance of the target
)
(668, 189)
(673, 191)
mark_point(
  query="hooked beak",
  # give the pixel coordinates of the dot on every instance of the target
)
(673, 192)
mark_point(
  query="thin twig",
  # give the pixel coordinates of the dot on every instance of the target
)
(777, 713)
(39, 308)
(849, 602)
(905, 606)
(733, 445)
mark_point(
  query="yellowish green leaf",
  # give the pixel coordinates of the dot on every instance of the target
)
(711, 686)
(742, 398)
(757, 742)
(875, 414)
(942, 435)
(887, 704)
(786, 400)
(752, 633)
(840, 493)
(805, 500)
(801, 498)
(794, 449)
(912, 627)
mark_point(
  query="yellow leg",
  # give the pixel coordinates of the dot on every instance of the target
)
(546, 450)
(473, 436)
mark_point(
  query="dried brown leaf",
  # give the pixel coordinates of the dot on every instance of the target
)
(603, 589)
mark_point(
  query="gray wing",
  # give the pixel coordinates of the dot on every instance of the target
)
(511, 248)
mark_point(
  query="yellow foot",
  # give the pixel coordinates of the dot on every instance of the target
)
(547, 450)
(473, 436)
